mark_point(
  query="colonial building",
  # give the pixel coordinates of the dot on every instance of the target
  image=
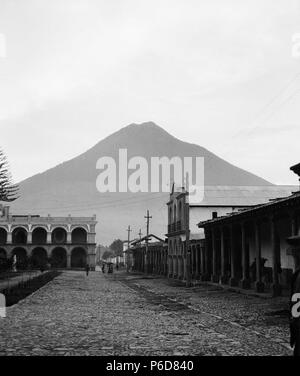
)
(127, 254)
(217, 201)
(257, 247)
(178, 214)
(62, 242)
(156, 258)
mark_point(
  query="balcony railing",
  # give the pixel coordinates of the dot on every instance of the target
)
(175, 227)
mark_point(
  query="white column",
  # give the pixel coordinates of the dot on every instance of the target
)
(49, 237)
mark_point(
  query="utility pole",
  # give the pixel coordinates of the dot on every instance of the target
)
(141, 253)
(128, 231)
(148, 217)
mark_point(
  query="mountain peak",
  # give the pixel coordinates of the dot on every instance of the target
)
(148, 126)
(142, 133)
(145, 124)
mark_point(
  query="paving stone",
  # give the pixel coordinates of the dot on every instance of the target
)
(131, 315)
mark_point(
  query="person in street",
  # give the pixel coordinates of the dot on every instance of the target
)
(103, 268)
(295, 321)
(110, 268)
(87, 269)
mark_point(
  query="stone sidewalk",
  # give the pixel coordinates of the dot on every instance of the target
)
(122, 314)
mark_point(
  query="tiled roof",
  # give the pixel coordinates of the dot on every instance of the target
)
(150, 236)
(255, 209)
(243, 195)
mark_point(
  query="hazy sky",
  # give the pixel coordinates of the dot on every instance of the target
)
(217, 73)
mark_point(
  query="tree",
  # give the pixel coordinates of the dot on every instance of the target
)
(8, 190)
(107, 254)
(117, 247)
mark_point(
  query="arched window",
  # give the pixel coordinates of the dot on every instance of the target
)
(79, 236)
(39, 236)
(59, 236)
(19, 236)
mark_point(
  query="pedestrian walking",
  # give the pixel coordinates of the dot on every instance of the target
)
(87, 269)
(295, 321)
(110, 269)
(103, 268)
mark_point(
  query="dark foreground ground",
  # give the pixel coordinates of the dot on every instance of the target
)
(124, 314)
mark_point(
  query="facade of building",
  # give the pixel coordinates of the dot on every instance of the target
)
(218, 201)
(258, 247)
(62, 242)
(156, 260)
(177, 230)
(127, 254)
(181, 224)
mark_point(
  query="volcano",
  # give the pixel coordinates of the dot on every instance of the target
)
(70, 188)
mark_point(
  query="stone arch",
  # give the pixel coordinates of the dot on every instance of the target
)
(14, 227)
(59, 235)
(62, 226)
(19, 235)
(79, 235)
(39, 257)
(45, 227)
(78, 257)
(3, 235)
(84, 226)
(21, 256)
(59, 257)
(39, 235)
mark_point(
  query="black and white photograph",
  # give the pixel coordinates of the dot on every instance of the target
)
(149, 181)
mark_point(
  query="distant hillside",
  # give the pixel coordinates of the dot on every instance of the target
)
(70, 188)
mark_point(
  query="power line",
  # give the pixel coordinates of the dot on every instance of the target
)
(141, 199)
(103, 205)
(108, 202)
(137, 202)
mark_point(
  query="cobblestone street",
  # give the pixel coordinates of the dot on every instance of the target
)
(124, 314)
